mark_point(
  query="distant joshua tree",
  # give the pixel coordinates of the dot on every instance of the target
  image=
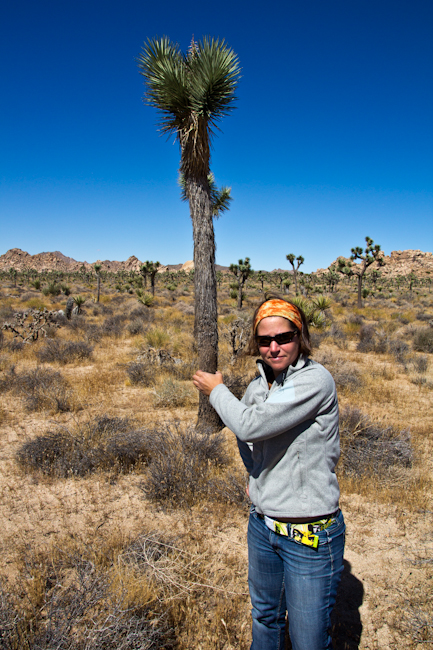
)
(260, 275)
(368, 256)
(241, 271)
(97, 268)
(331, 277)
(150, 269)
(300, 260)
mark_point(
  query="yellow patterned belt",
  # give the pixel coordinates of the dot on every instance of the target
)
(304, 533)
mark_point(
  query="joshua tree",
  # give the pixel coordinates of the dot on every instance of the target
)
(278, 277)
(331, 277)
(13, 273)
(286, 284)
(261, 277)
(151, 269)
(372, 253)
(242, 271)
(97, 268)
(300, 260)
(143, 273)
(192, 92)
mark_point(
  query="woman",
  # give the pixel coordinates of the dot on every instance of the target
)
(287, 430)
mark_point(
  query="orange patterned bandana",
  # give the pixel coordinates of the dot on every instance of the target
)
(277, 307)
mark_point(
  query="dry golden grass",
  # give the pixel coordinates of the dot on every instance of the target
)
(186, 566)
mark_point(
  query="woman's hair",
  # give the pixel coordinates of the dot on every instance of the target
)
(304, 335)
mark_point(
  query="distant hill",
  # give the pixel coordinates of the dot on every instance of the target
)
(398, 263)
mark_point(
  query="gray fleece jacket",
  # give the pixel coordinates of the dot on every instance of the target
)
(288, 438)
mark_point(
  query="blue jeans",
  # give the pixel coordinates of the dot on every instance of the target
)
(284, 574)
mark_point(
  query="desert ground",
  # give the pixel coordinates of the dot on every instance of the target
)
(122, 526)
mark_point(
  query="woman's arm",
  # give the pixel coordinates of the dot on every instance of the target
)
(299, 400)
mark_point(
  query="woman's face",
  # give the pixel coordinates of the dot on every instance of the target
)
(278, 357)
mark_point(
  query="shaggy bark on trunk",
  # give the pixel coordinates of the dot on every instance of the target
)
(205, 286)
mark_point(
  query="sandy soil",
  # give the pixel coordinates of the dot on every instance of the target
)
(386, 586)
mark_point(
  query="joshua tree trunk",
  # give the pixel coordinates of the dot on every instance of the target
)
(359, 279)
(240, 294)
(205, 285)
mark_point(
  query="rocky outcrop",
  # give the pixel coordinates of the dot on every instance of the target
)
(398, 263)
(20, 260)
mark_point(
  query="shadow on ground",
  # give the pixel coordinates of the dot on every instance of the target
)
(346, 619)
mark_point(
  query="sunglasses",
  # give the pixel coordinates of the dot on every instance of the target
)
(281, 339)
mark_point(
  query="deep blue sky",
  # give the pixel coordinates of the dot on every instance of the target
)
(332, 138)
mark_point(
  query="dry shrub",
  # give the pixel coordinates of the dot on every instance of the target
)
(399, 350)
(173, 393)
(93, 333)
(423, 339)
(113, 444)
(140, 373)
(316, 339)
(78, 607)
(100, 308)
(64, 352)
(337, 336)
(16, 345)
(230, 488)
(371, 340)
(422, 316)
(78, 322)
(421, 363)
(181, 464)
(136, 326)
(40, 389)
(158, 559)
(370, 449)
(142, 313)
(113, 326)
(184, 307)
(345, 373)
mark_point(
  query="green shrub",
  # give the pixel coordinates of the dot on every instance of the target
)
(145, 298)
(157, 337)
(52, 289)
